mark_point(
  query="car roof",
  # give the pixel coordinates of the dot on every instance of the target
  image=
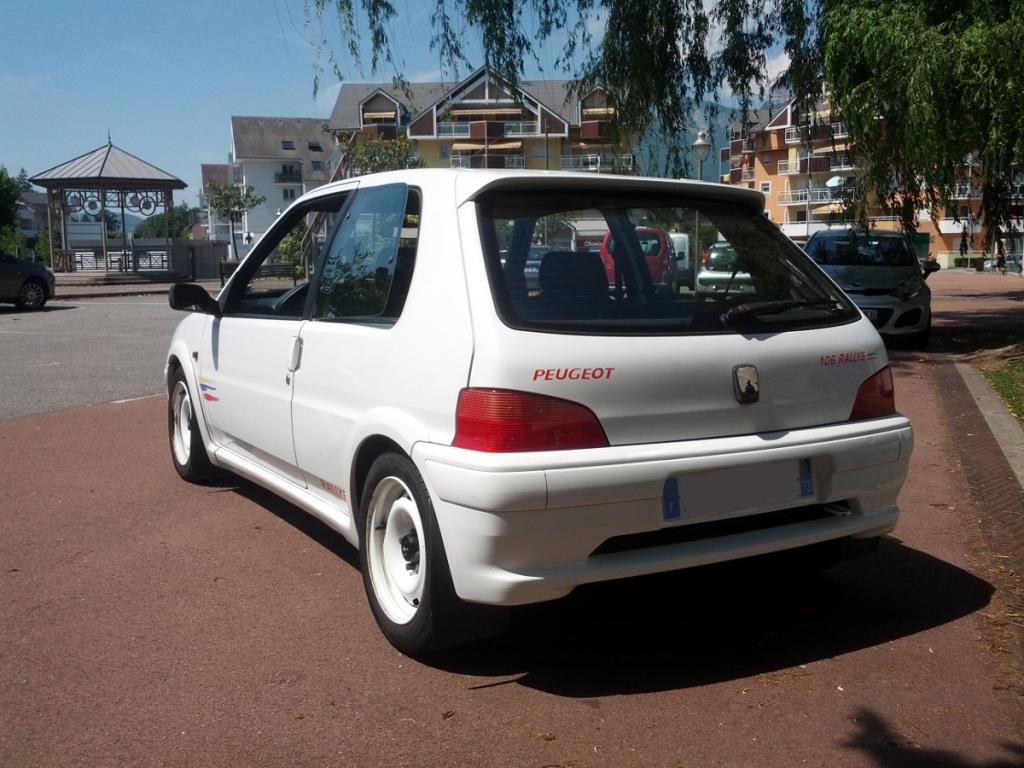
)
(469, 184)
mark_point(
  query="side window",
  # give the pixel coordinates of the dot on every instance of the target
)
(274, 280)
(369, 265)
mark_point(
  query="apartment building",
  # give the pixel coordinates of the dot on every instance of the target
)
(480, 122)
(802, 162)
(281, 158)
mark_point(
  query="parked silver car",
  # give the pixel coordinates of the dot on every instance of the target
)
(880, 272)
(719, 275)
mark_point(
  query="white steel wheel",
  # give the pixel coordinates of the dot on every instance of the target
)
(181, 423)
(188, 454)
(395, 535)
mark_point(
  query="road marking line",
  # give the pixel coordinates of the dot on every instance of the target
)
(133, 399)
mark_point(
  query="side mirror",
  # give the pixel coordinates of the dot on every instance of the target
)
(928, 267)
(187, 296)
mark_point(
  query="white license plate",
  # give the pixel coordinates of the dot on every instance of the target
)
(734, 490)
(871, 314)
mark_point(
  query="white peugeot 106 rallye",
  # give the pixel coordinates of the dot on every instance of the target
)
(487, 440)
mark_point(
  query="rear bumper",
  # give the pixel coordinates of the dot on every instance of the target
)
(524, 528)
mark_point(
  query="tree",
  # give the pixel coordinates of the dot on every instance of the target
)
(179, 225)
(43, 247)
(375, 156)
(230, 201)
(920, 82)
(23, 183)
(10, 194)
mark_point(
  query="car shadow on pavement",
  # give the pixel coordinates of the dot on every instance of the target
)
(12, 310)
(316, 530)
(719, 623)
(888, 748)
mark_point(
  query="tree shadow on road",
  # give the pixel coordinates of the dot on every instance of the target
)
(723, 622)
(888, 749)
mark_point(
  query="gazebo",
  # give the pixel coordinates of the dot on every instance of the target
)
(108, 179)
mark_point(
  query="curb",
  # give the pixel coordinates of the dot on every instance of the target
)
(1004, 426)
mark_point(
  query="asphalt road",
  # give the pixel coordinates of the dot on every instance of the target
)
(144, 621)
(82, 352)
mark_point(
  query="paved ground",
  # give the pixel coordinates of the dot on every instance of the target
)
(148, 622)
(80, 352)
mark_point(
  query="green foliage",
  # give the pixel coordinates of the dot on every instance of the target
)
(12, 241)
(1009, 383)
(377, 156)
(43, 246)
(920, 82)
(946, 80)
(23, 183)
(179, 225)
(9, 196)
(230, 201)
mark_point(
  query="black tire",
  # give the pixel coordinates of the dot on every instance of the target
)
(31, 295)
(188, 454)
(920, 339)
(405, 570)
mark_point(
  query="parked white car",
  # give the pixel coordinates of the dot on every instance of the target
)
(487, 444)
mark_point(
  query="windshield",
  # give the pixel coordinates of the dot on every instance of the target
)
(598, 277)
(857, 249)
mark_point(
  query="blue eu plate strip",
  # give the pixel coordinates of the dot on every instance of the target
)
(670, 507)
(806, 478)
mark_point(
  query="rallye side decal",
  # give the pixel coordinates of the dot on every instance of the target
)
(208, 390)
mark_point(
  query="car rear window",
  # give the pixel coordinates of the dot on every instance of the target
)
(597, 276)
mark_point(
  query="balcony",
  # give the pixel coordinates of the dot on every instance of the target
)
(841, 163)
(747, 175)
(840, 131)
(747, 146)
(965, 192)
(805, 197)
(789, 167)
(595, 129)
(793, 135)
(815, 164)
(288, 177)
(598, 163)
(379, 131)
(487, 161)
(481, 130)
(453, 129)
(520, 127)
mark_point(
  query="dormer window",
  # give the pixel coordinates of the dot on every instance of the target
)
(287, 144)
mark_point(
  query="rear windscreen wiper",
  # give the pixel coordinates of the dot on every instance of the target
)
(758, 308)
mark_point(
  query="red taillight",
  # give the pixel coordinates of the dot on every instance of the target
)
(704, 258)
(876, 397)
(506, 421)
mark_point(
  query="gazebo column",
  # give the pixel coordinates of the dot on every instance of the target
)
(124, 234)
(103, 228)
(168, 207)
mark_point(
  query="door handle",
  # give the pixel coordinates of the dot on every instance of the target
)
(296, 354)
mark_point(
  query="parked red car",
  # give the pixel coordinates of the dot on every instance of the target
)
(658, 252)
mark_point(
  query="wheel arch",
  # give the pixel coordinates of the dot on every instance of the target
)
(368, 451)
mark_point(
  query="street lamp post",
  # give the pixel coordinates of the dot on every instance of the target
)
(701, 146)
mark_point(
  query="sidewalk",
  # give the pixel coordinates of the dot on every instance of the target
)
(69, 289)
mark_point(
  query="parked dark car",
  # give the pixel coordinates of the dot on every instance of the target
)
(24, 283)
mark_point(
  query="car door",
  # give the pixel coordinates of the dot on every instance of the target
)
(350, 360)
(249, 355)
(10, 277)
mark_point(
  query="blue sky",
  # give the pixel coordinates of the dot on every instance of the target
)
(165, 77)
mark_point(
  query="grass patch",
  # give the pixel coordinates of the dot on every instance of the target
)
(1008, 381)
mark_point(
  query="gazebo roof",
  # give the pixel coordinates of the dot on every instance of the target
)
(110, 166)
